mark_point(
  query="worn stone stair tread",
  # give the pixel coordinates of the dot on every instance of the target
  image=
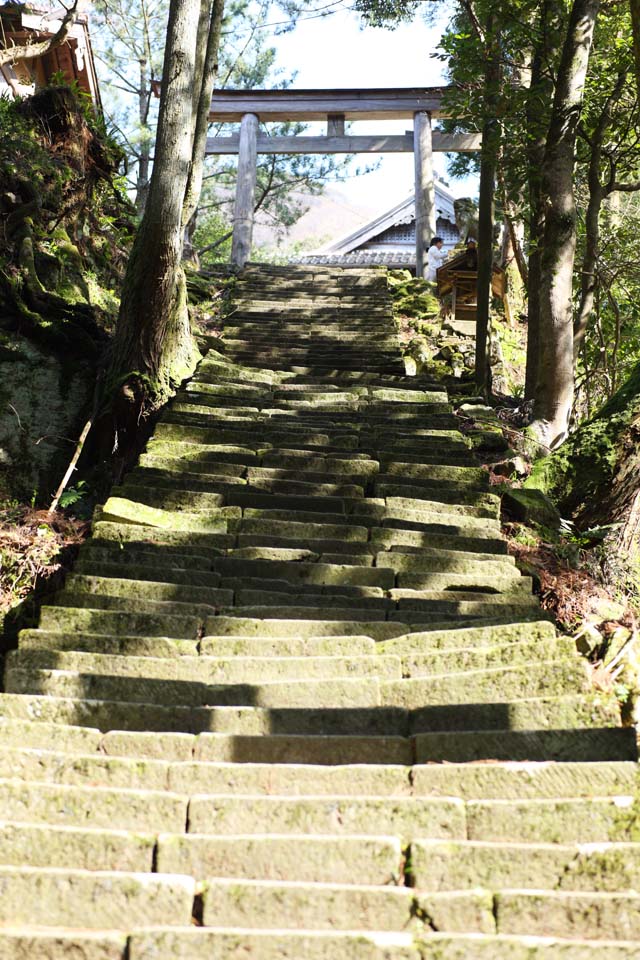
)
(526, 866)
(279, 904)
(66, 804)
(75, 848)
(612, 915)
(334, 693)
(48, 896)
(140, 646)
(583, 745)
(29, 942)
(406, 817)
(309, 858)
(209, 669)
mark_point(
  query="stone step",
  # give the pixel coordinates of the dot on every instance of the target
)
(114, 646)
(99, 900)
(563, 713)
(74, 848)
(557, 745)
(119, 623)
(144, 810)
(263, 904)
(472, 658)
(328, 858)
(312, 945)
(478, 637)
(598, 915)
(208, 669)
(588, 820)
(491, 685)
(18, 942)
(334, 693)
(406, 817)
(452, 865)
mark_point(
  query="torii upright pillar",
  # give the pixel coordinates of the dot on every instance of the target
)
(425, 190)
(245, 190)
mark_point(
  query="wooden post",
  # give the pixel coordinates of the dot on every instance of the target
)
(425, 191)
(245, 191)
(335, 125)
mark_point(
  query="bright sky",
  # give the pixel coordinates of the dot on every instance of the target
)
(335, 51)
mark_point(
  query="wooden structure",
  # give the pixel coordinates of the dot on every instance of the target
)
(458, 277)
(72, 59)
(252, 107)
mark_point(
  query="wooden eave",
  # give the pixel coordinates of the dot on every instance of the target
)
(384, 103)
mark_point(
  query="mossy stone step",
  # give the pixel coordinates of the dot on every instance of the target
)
(146, 589)
(264, 904)
(303, 572)
(526, 866)
(566, 712)
(26, 942)
(96, 899)
(316, 859)
(101, 807)
(117, 623)
(472, 658)
(542, 746)
(76, 599)
(74, 848)
(398, 816)
(122, 510)
(584, 820)
(504, 780)
(477, 636)
(292, 646)
(138, 536)
(208, 943)
(491, 685)
(598, 915)
(388, 538)
(334, 693)
(114, 646)
(207, 669)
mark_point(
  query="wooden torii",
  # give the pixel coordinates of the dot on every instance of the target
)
(251, 107)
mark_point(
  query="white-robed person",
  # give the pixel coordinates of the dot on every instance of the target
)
(435, 257)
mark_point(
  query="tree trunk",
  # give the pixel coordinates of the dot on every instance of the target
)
(597, 194)
(635, 26)
(488, 166)
(539, 95)
(554, 387)
(203, 107)
(142, 179)
(153, 346)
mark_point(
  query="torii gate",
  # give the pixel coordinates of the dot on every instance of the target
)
(250, 107)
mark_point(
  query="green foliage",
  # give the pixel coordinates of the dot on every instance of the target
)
(412, 296)
(582, 469)
(386, 13)
(65, 220)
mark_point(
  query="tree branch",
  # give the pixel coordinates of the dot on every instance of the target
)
(28, 51)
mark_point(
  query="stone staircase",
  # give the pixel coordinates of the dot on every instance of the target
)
(295, 701)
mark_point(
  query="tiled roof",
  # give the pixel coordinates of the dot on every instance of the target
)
(361, 258)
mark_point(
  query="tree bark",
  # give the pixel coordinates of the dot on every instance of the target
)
(554, 387)
(539, 95)
(488, 167)
(597, 194)
(209, 72)
(153, 346)
(635, 26)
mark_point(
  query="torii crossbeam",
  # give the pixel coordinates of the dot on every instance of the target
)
(250, 107)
